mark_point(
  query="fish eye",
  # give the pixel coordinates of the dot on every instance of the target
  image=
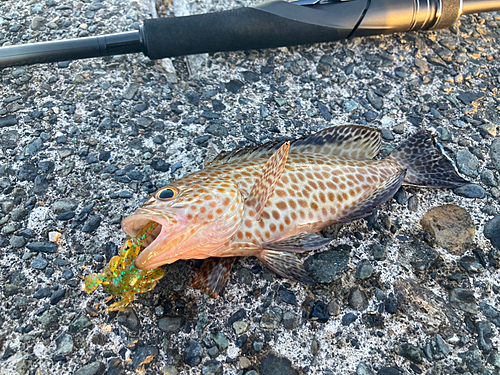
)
(166, 194)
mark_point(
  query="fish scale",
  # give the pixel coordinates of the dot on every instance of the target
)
(270, 201)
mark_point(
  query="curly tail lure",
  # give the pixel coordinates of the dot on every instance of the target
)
(120, 277)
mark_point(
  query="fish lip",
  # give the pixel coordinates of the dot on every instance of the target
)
(134, 223)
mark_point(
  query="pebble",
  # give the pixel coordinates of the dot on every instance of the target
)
(492, 314)
(436, 349)
(410, 352)
(328, 265)
(379, 252)
(271, 318)
(64, 345)
(350, 105)
(128, 318)
(421, 256)
(94, 368)
(348, 319)
(287, 296)
(492, 231)
(240, 327)
(220, 340)
(39, 263)
(451, 226)
(79, 324)
(494, 153)
(169, 370)
(319, 312)
(8, 120)
(17, 242)
(357, 299)
(363, 270)
(57, 296)
(470, 191)
(49, 318)
(64, 205)
(375, 100)
(143, 356)
(464, 300)
(92, 224)
(364, 369)
(211, 367)
(290, 320)
(171, 324)
(192, 354)
(484, 334)
(472, 359)
(42, 247)
(271, 364)
(488, 178)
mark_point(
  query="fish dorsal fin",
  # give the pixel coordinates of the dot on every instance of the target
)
(213, 275)
(300, 243)
(267, 180)
(350, 141)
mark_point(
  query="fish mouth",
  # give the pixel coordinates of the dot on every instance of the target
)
(154, 244)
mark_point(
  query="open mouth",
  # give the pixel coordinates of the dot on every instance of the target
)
(143, 225)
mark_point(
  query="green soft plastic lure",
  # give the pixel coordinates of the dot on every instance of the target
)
(120, 277)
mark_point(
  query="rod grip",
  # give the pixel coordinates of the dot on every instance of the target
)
(268, 25)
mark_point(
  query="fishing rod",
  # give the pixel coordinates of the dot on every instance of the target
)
(267, 25)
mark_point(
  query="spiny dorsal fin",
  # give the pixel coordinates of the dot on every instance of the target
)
(300, 243)
(213, 275)
(285, 264)
(267, 180)
(350, 141)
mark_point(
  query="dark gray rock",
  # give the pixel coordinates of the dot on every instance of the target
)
(375, 100)
(192, 354)
(379, 252)
(484, 334)
(410, 352)
(464, 300)
(19, 214)
(57, 296)
(143, 356)
(79, 324)
(287, 296)
(488, 178)
(364, 270)
(211, 367)
(220, 340)
(357, 299)
(92, 224)
(319, 312)
(469, 97)
(470, 191)
(492, 314)
(271, 318)
(8, 120)
(290, 320)
(421, 256)
(364, 369)
(492, 231)
(171, 324)
(39, 263)
(472, 359)
(436, 349)
(470, 264)
(17, 242)
(349, 318)
(327, 266)
(495, 154)
(42, 247)
(128, 318)
(494, 359)
(272, 364)
(64, 345)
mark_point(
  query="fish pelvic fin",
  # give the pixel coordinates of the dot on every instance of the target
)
(381, 194)
(213, 275)
(426, 165)
(266, 182)
(300, 243)
(285, 264)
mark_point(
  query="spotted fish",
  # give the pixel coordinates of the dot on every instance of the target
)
(271, 201)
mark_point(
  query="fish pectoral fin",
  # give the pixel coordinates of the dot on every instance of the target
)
(213, 275)
(285, 264)
(300, 243)
(267, 180)
(381, 194)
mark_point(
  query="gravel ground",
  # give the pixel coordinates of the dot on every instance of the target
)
(84, 143)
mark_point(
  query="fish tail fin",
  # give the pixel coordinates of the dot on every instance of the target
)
(285, 264)
(425, 164)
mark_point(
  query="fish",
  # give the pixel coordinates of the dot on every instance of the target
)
(270, 201)
(120, 278)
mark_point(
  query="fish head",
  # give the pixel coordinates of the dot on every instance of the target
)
(196, 216)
